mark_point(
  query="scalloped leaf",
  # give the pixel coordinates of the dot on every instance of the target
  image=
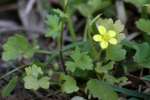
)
(100, 90)
(17, 47)
(69, 85)
(115, 53)
(80, 61)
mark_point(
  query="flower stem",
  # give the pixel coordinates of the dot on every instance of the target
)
(86, 29)
(71, 29)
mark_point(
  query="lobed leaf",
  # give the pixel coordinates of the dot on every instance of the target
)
(17, 47)
(143, 25)
(115, 53)
(80, 61)
(9, 87)
(69, 85)
(100, 90)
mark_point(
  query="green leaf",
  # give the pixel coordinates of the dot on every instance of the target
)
(17, 47)
(142, 55)
(133, 93)
(72, 4)
(118, 26)
(69, 85)
(34, 70)
(54, 26)
(71, 66)
(77, 98)
(35, 79)
(100, 90)
(9, 87)
(115, 53)
(110, 79)
(80, 60)
(143, 25)
(133, 99)
(44, 82)
(146, 78)
(101, 69)
(138, 3)
(91, 6)
(31, 83)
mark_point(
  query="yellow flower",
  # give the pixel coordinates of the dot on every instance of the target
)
(105, 37)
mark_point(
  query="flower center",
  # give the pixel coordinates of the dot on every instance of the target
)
(106, 37)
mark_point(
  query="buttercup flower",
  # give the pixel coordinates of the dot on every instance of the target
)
(105, 37)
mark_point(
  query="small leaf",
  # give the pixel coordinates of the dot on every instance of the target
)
(71, 66)
(60, 13)
(142, 55)
(44, 82)
(54, 26)
(146, 78)
(35, 78)
(101, 69)
(80, 60)
(133, 99)
(138, 3)
(34, 70)
(17, 47)
(31, 83)
(115, 53)
(118, 26)
(76, 55)
(100, 90)
(69, 85)
(9, 87)
(77, 98)
(110, 79)
(91, 6)
(143, 25)
(72, 4)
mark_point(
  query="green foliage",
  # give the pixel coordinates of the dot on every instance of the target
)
(147, 77)
(86, 61)
(105, 71)
(138, 3)
(133, 99)
(113, 80)
(77, 98)
(91, 6)
(9, 87)
(69, 85)
(59, 13)
(17, 47)
(142, 55)
(143, 25)
(54, 26)
(80, 60)
(35, 78)
(72, 5)
(101, 90)
(34, 70)
(115, 53)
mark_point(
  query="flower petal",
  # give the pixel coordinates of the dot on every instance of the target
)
(101, 29)
(113, 41)
(112, 33)
(97, 38)
(104, 44)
